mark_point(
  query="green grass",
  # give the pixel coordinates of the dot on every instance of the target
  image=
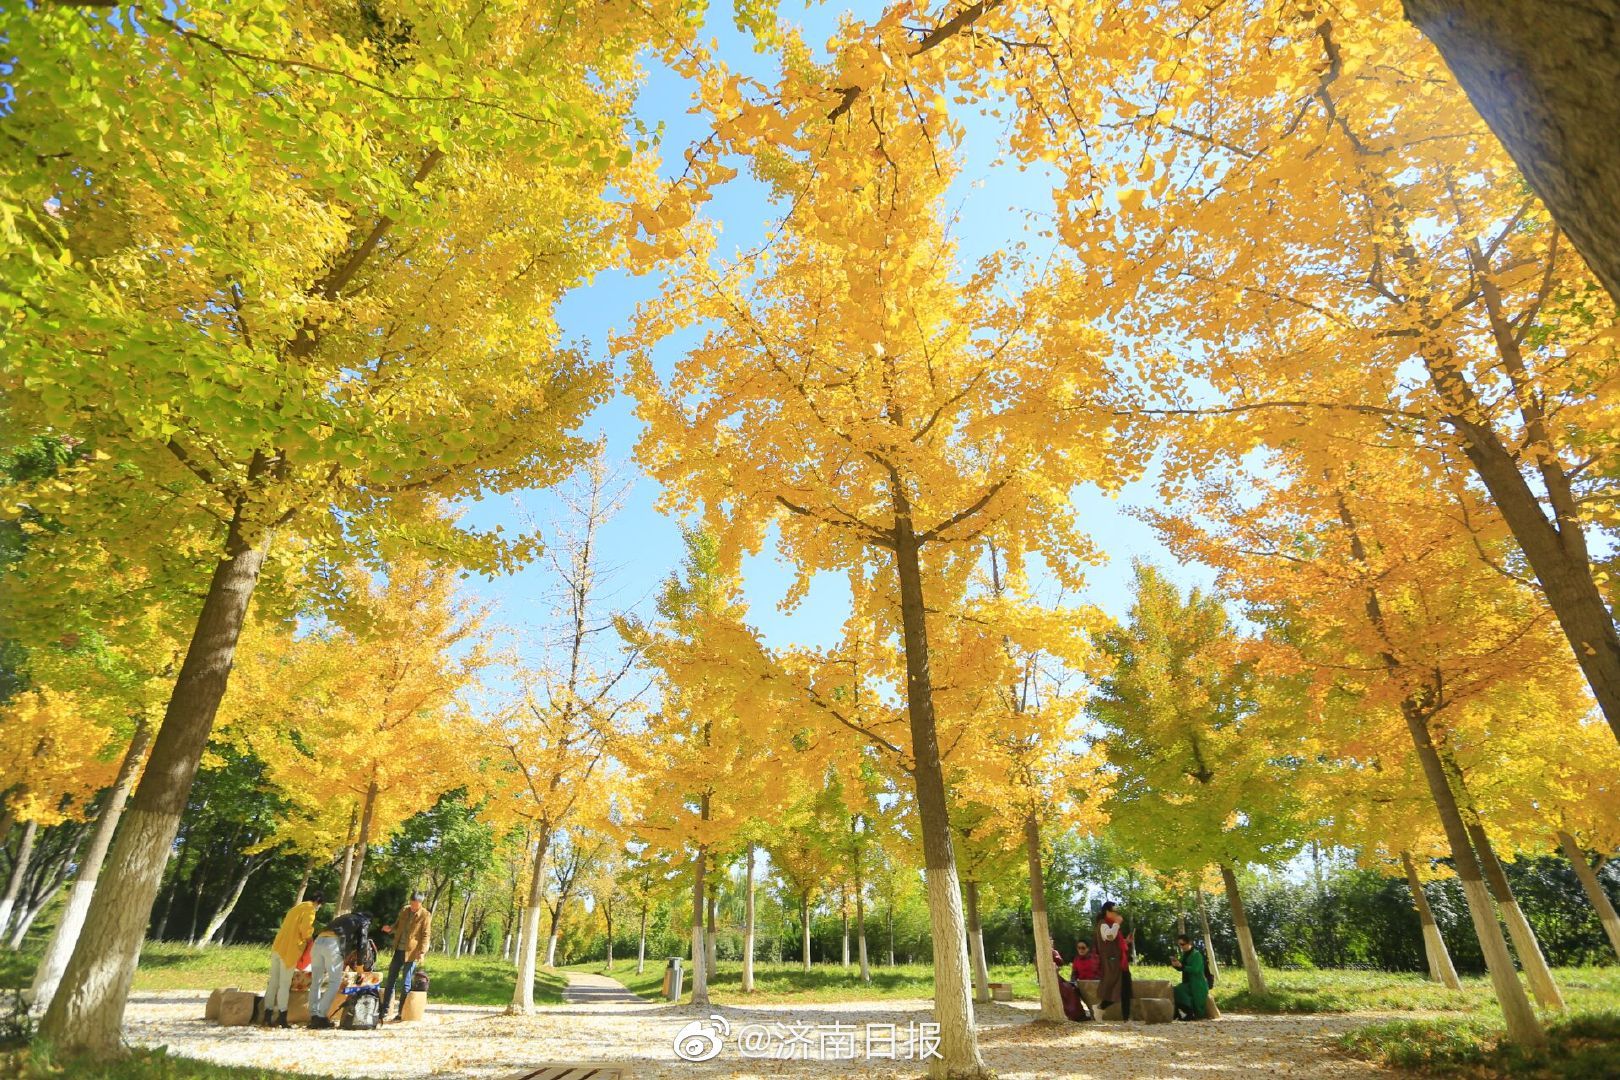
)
(38, 1063)
(465, 980)
(823, 982)
(1585, 989)
(1580, 1046)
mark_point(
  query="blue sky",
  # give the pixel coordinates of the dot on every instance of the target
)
(994, 203)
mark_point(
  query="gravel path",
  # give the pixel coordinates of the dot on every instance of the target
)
(477, 1042)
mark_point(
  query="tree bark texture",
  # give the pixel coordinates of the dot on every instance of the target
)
(1545, 75)
(86, 1014)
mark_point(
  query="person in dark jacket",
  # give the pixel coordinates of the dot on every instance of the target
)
(347, 939)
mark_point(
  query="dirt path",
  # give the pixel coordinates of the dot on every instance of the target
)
(475, 1042)
(587, 988)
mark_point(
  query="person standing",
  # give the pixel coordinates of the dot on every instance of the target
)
(1192, 995)
(1113, 949)
(346, 937)
(297, 931)
(411, 930)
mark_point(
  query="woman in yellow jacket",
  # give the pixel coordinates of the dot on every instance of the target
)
(297, 931)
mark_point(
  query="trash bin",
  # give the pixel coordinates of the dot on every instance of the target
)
(674, 978)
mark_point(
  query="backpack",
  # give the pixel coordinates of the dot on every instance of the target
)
(363, 1009)
(1209, 970)
(419, 981)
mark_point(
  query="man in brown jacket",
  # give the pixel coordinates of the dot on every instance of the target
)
(410, 932)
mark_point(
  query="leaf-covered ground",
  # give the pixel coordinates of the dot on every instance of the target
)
(480, 1042)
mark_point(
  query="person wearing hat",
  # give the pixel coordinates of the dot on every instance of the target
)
(410, 930)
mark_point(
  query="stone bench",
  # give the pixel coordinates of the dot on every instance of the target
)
(1152, 1000)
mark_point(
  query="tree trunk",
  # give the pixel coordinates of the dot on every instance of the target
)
(641, 946)
(1525, 944)
(19, 868)
(1441, 969)
(528, 943)
(229, 904)
(1209, 939)
(461, 925)
(1545, 75)
(303, 883)
(860, 935)
(68, 924)
(1594, 889)
(953, 1001)
(888, 926)
(201, 880)
(1522, 1023)
(804, 927)
(843, 910)
(711, 942)
(975, 931)
(162, 925)
(351, 883)
(1557, 553)
(748, 928)
(1240, 924)
(551, 939)
(348, 854)
(86, 1014)
(700, 954)
(26, 917)
(1046, 973)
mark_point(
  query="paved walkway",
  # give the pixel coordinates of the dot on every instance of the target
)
(585, 988)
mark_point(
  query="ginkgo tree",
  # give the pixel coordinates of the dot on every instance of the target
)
(1201, 742)
(1390, 579)
(301, 263)
(697, 759)
(1359, 208)
(884, 412)
(344, 718)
